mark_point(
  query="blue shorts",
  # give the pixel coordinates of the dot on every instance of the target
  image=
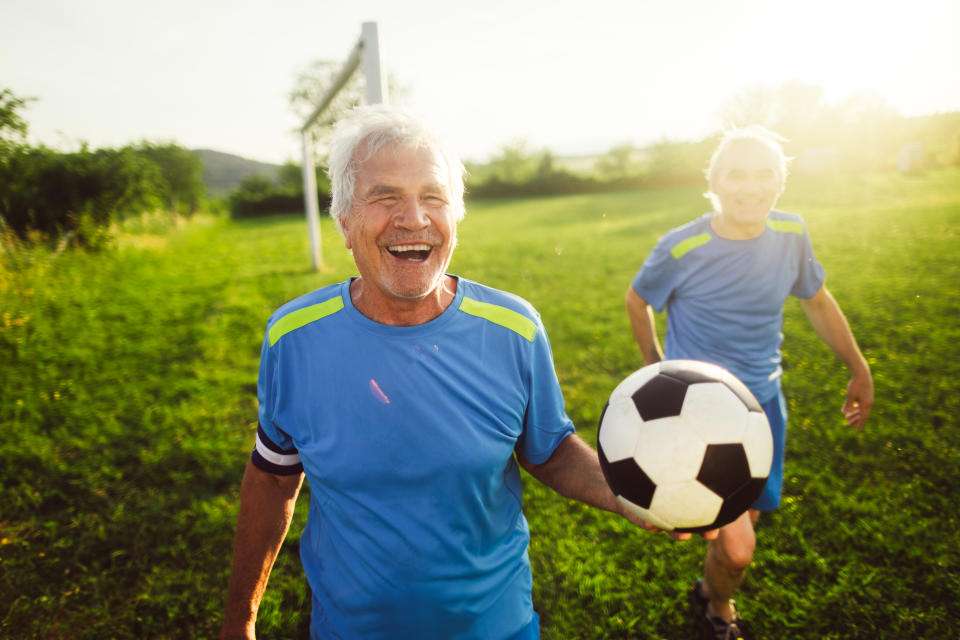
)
(531, 631)
(776, 410)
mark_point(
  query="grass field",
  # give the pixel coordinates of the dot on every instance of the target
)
(128, 412)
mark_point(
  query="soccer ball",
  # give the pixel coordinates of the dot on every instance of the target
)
(684, 445)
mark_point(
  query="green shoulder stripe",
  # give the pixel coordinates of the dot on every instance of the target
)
(690, 243)
(786, 226)
(502, 316)
(301, 317)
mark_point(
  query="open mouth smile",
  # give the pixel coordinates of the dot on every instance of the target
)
(410, 252)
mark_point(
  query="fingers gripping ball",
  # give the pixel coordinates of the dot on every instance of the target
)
(685, 445)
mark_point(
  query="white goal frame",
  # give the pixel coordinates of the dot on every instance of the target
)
(365, 54)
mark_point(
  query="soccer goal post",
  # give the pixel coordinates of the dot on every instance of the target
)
(366, 55)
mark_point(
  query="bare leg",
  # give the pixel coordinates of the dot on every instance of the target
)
(726, 563)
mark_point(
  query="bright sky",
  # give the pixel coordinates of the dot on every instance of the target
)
(573, 76)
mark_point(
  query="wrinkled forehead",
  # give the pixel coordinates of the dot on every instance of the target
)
(388, 151)
(397, 164)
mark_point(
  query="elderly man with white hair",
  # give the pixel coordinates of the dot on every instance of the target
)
(724, 279)
(409, 398)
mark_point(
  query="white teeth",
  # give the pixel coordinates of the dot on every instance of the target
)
(409, 247)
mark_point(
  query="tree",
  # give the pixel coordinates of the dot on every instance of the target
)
(182, 172)
(514, 163)
(674, 162)
(311, 85)
(757, 105)
(13, 128)
(79, 194)
(309, 88)
(617, 163)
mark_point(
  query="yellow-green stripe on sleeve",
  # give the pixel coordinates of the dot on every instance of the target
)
(786, 226)
(301, 317)
(502, 316)
(689, 244)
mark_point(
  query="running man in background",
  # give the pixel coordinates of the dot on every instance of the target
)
(723, 279)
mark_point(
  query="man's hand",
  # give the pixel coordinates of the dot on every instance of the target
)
(676, 535)
(856, 408)
(831, 325)
(574, 471)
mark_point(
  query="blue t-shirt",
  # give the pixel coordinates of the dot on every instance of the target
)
(724, 298)
(407, 435)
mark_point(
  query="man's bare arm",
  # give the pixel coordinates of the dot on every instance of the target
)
(574, 471)
(266, 508)
(644, 327)
(831, 325)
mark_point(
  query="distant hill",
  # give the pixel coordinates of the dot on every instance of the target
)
(223, 172)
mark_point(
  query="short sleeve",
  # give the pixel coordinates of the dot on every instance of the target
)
(654, 282)
(810, 273)
(546, 423)
(274, 450)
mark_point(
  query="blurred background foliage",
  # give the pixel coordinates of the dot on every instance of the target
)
(76, 198)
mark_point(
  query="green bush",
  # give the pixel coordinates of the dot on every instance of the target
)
(54, 193)
(78, 196)
(46, 194)
(259, 196)
(182, 188)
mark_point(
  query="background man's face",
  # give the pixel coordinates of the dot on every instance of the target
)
(748, 182)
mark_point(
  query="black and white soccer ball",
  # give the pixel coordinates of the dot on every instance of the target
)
(685, 445)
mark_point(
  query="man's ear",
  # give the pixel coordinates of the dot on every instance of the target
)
(344, 231)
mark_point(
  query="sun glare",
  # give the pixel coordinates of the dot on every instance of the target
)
(891, 51)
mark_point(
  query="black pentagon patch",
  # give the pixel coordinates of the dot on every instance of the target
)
(724, 469)
(628, 480)
(733, 506)
(689, 371)
(661, 397)
(740, 501)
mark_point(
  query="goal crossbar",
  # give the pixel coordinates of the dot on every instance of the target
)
(346, 72)
(366, 54)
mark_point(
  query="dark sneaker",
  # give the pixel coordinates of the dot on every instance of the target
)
(714, 627)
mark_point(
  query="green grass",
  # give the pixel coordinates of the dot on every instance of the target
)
(128, 410)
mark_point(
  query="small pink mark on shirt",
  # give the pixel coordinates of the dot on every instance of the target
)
(377, 392)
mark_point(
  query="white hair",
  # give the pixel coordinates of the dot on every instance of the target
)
(367, 129)
(753, 134)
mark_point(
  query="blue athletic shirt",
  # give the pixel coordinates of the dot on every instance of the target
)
(724, 298)
(407, 435)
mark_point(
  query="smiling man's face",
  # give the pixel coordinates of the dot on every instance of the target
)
(402, 228)
(748, 184)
